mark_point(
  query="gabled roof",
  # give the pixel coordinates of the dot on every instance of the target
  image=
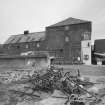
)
(69, 21)
(36, 36)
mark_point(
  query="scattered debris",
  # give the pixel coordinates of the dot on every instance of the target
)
(42, 85)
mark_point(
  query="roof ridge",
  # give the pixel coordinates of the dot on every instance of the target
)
(29, 33)
(35, 36)
(69, 21)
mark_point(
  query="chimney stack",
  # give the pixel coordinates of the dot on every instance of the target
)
(26, 32)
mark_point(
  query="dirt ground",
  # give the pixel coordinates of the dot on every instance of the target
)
(93, 72)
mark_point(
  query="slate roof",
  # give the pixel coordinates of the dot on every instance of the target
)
(36, 36)
(69, 21)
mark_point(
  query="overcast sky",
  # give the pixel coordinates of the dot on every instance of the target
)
(34, 15)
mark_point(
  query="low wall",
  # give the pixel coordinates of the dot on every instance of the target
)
(18, 63)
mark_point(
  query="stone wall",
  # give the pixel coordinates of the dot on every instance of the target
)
(66, 40)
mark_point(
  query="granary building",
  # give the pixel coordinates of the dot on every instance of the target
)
(69, 41)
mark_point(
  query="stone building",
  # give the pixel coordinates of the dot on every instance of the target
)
(18, 44)
(65, 38)
(62, 40)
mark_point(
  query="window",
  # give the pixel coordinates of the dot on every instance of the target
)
(38, 45)
(18, 46)
(33, 44)
(61, 53)
(66, 27)
(86, 35)
(66, 39)
(86, 57)
(27, 46)
(9, 46)
(61, 50)
(88, 44)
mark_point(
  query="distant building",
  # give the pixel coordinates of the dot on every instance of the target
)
(99, 46)
(63, 40)
(99, 51)
(17, 44)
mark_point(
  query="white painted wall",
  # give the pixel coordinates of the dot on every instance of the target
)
(86, 52)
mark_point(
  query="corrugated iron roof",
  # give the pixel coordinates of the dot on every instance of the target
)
(69, 21)
(36, 36)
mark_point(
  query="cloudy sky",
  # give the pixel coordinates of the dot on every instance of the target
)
(34, 15)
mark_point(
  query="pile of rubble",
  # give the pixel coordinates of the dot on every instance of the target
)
(41, 86)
